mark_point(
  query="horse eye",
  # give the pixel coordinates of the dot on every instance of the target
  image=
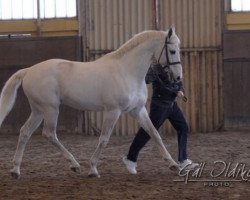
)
(172, 52)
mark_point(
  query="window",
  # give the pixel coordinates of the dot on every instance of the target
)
(27, 9)
(240, 5)
(57, 8)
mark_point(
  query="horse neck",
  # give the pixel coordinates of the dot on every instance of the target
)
(137, 61)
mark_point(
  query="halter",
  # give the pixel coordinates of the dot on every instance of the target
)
(167, 57)
(167, 66)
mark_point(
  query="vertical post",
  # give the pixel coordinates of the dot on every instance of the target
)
(39, 24)
(81, 24)
(83, 19)
(227, 5)
(156, 14)
(220, 58)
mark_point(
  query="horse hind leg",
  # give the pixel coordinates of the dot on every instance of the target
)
(26, 131)
(49, 131)
(109, 120)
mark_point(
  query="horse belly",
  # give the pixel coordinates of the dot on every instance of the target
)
(82, 98)
(82, 103)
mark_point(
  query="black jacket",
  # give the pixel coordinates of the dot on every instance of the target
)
(164, 89)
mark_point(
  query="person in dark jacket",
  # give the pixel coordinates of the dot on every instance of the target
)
(163, 106)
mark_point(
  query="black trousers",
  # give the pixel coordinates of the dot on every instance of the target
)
(158, 114)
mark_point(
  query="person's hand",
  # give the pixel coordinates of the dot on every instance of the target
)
(180, 94)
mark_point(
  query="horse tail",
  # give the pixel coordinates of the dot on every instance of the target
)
(8, 94)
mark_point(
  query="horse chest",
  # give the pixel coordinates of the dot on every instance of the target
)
(133, 100)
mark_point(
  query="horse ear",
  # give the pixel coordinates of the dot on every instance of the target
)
(173, 29)
(170, 32)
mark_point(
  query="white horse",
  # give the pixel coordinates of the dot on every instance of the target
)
(114, 84)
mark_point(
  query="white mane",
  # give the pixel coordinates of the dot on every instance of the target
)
(137, 40)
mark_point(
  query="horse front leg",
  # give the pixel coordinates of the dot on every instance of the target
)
(109, 120)
(147, 125)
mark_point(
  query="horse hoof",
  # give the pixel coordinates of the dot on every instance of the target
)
(93, 172)
(15, 175)
(76, 169)
(174, 167)
(91, 175)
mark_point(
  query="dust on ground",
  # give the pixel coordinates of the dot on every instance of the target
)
(45, 173)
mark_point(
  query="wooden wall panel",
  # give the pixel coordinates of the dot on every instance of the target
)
(236, 71)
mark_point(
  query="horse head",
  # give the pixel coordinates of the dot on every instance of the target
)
(169, 55)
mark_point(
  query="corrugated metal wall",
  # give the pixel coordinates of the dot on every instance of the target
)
(198, 22)
(108, 24)
(111, 23)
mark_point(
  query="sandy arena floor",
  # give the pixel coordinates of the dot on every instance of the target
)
(45, 173)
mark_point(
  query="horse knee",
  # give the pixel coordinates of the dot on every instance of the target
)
(44, 134)
(156, 136)
(23, 130)
(24, 135)
(103, 143)
(49, 137)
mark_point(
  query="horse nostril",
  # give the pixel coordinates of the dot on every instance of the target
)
(178, 78)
